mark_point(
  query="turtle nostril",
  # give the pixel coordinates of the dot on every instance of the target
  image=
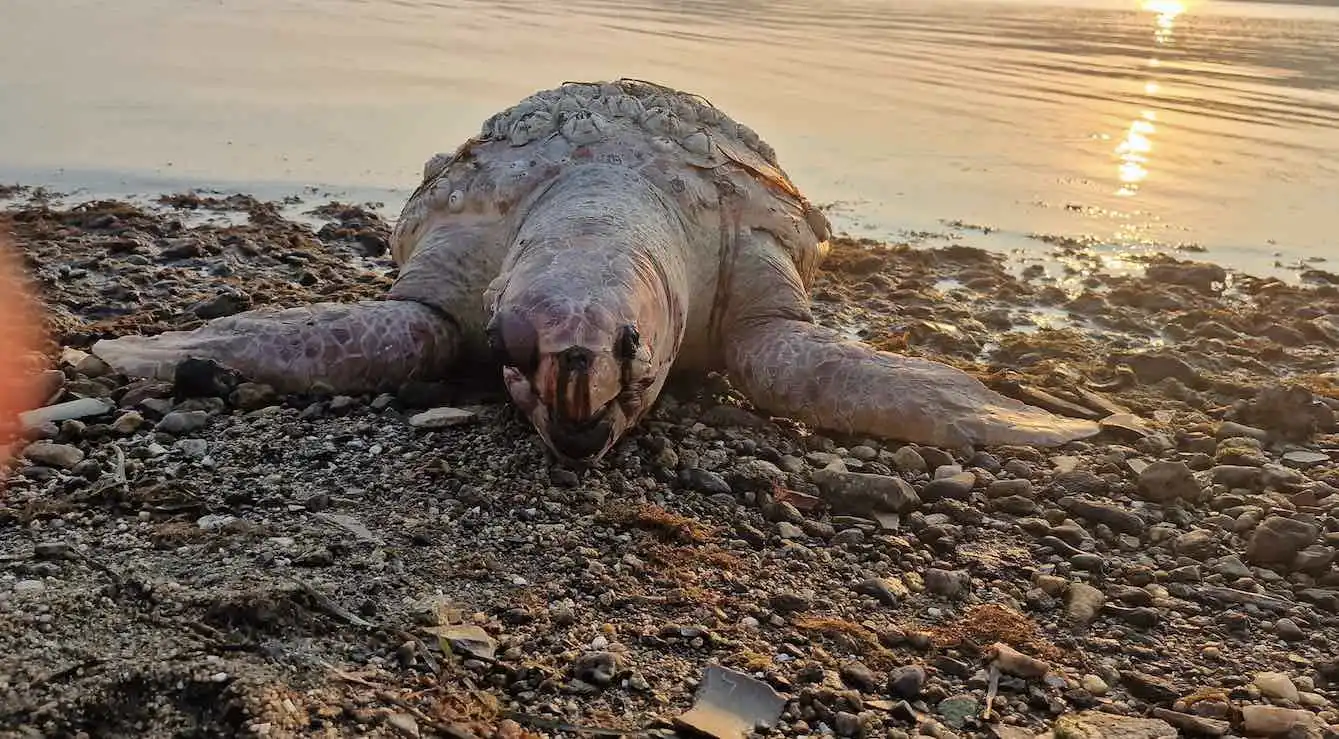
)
(575, 359)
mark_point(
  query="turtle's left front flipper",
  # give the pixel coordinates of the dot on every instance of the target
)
(812, 374)
(347, 347)
(791, 367)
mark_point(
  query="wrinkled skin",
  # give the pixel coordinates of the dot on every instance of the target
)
(586, 320)
(588, 241)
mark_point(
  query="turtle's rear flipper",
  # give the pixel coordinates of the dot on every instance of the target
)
(346, 347)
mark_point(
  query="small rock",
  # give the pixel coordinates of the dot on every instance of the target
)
(1277, 721)
(948, 583)
(440, 418)
(1094, 684)
(704, 481)
(957, 486)
(182, 422)
(861, 494)
(1013, 662)
(1196, 544)
(1278, 539)
(1192, 724)
(1083, 602)
(1099, 725)
(907, 459)
(957, 709)
(1165, 482)
(1288, 630)
(788, 530)
(860, 677)
(50, 454)
(1276, 685)
(1304, 459)
(1149, 688)
(906, 682)
(789, 602)
(1126, 425)
(1009, 488)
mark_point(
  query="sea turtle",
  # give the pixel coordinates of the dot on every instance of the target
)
(588, 239)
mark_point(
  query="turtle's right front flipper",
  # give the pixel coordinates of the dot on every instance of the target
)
(347, 347)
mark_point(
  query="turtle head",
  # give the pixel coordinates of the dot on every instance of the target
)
(583, 378)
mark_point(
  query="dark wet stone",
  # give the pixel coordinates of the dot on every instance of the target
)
(195, 378)
(1149, 688)
(954, 487)
(706, 481)
(1118, 519)
(1166, 481)
(906, 682)
(226, 303)
(1080, 482)
(1278, 539)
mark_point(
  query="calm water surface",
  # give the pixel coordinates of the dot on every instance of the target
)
(1158, 122)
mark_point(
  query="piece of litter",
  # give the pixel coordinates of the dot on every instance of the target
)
(730, 704)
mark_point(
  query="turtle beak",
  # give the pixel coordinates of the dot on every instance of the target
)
(577, 416)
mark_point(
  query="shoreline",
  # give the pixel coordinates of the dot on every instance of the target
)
(229, 560)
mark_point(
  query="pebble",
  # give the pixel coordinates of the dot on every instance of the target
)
(1099, 725)
(957, 709)
(1304, 459)
(1010, 488)
(906, 459)
(182, 422)
(1094, 684)
(1276, 721)
(860, 677)
(788, 530)
(1197, 544)
(440, 418)
(51, 454)
(1278, 539)
(1276, 685)
(1288, 630)
(948, 583)
(1166, 482)
(906, 682)
(957, 486)
(862, 493)
(1083, 602)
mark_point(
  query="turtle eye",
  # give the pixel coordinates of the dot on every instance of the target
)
(513, 342)
(627, 343)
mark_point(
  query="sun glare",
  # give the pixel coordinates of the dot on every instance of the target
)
(1136, 146)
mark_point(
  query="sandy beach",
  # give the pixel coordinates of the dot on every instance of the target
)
(206, 557)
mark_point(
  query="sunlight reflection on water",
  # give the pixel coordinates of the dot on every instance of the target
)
(1140, 123)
